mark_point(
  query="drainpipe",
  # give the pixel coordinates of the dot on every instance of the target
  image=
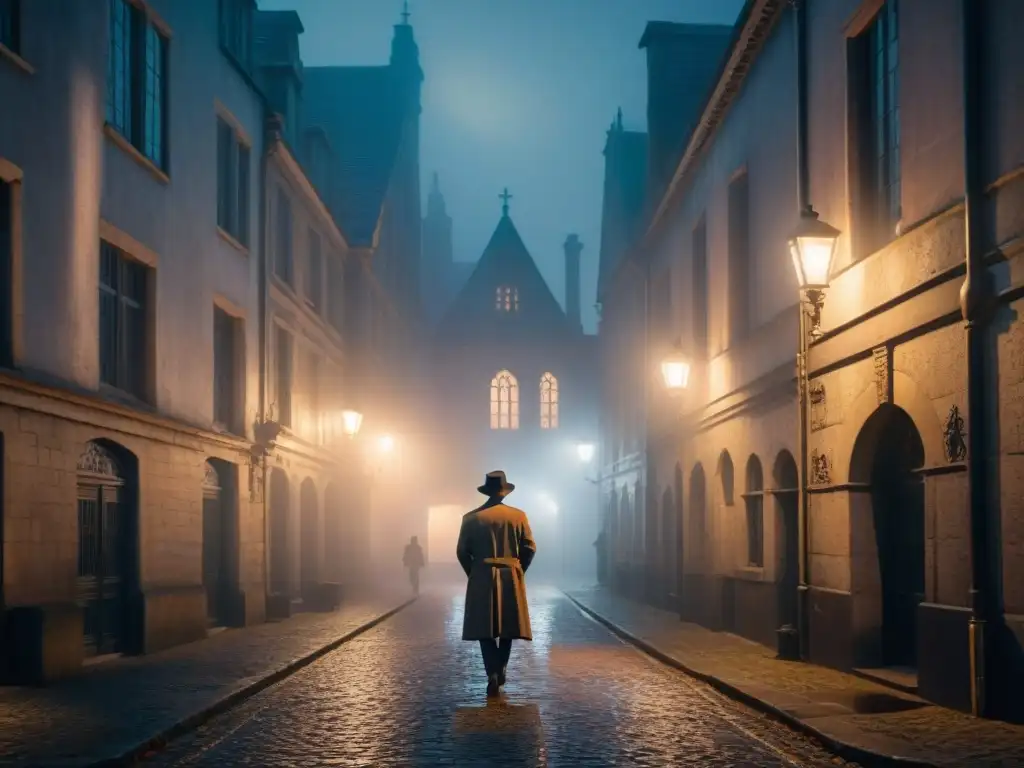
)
(268, 138)
(647, 428)
(975, 305)
(803, 202)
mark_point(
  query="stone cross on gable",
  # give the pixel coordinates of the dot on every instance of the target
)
(504, 197)
(405, 12)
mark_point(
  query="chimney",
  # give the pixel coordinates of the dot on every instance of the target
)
(683, 61)
(573, 249)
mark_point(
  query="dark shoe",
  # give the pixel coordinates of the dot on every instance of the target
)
(492, 686)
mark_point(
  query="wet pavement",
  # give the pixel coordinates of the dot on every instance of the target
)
(411, 693)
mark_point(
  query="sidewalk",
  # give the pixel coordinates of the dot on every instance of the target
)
(861, 719)
(115, 710)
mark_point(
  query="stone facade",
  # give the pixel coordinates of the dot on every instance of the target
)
(139, 446)
(888, 535)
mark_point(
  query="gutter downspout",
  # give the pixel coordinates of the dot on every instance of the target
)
(803, 202)
(647, 559)
(975, 306)
(263, 315)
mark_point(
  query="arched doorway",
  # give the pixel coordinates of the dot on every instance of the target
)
(218, 533)
(680, 537)
(334, 534)
(787, 493)
(309, 538)
(885, 455)
(668, 543)
(106, 545)
(693, 581)
(280, 559)
(698, 517)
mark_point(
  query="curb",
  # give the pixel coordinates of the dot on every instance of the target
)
(845, 750)
(132, 755)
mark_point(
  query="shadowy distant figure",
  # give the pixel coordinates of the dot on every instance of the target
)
(601, 545)
(413, 560)
(495, 548)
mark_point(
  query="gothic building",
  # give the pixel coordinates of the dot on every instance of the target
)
(442, 275)
(512, 386)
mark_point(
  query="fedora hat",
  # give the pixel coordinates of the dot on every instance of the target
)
(495, 484)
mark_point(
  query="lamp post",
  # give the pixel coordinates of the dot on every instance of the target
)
(812, 247)
(675, 374)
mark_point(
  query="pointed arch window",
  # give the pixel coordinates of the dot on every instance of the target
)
(506, 298)
(548, 401)
(504, 401)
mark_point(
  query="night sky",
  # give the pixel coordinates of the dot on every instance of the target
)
(518, 93)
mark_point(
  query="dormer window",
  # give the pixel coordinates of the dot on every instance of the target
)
(506, 298)
(235, 30)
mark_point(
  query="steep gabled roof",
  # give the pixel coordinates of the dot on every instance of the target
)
(360, 110)
(505, 262)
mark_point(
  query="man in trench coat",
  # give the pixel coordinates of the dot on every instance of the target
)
(495, 549)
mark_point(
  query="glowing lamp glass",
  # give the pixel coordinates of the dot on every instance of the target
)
(351, 422)
(812, 248)
(675, 371)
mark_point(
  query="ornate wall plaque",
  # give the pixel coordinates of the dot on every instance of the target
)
(819, 417)
(954, 436)
(255, 482)
(97, 460)
(821, 468)
(881, 357)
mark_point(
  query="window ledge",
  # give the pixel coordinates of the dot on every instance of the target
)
(230, 240)
(122, 143)
(123, 397)
(16, 60)
(750, 573)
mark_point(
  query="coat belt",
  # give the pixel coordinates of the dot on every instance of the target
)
(499, 562)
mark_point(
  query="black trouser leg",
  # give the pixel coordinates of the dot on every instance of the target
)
(489, 650)
(504, 651)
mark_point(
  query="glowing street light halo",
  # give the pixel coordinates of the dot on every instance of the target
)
(812, 247)
(675, 371)
(585, 452)
(386, 443)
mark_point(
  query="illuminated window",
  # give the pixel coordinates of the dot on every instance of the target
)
(504, 401)
(506, 299)
(548, 402)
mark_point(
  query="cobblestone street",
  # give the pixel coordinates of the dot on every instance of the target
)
(411, 693)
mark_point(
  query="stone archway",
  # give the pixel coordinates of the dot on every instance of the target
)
(107, 546)
(280, 577)
(668, 544)
(680, 537)
(786, 493)
(309, 538)
(888, 537)
(334, 534)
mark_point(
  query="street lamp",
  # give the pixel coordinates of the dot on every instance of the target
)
(812, 247)
(675, 371)
(351, 421)
(585, 451)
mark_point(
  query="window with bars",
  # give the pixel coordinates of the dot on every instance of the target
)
(6, 274)
(504, 401)
(548, 401)
(283, 376)
(137, 80)
(10, 25)
(875, 82)
(283, 264)
(315, 272)
(506, 298)
(235, 30)
(124, 331)
(233, 168)
(226, 381)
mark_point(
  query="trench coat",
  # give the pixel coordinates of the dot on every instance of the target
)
(495, 548)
